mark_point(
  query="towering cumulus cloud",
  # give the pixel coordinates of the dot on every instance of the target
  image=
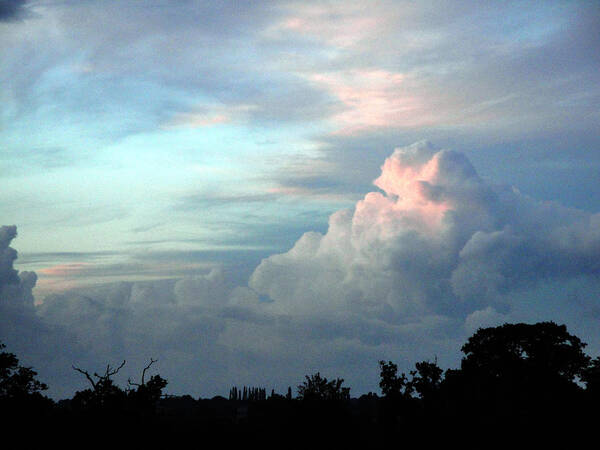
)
(437, 245)
(21, 328)
(16, 297)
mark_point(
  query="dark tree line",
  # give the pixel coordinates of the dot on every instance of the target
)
(510, 376)
(248, 394)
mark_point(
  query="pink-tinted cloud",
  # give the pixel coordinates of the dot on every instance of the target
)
(309, 193)
(342, 25)
(47, 286)
(64, 270)
(209, 116)
(59, 278)
(372, 98)
(191, 120)
(411, 200)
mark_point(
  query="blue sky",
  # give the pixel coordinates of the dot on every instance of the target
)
(161, 140)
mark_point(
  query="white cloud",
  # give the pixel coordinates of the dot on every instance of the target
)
(437, 241)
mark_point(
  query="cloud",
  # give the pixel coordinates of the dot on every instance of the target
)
(372, 99)
(436, 242)
(206, 200)
(15, 287)
(340, 25)
(12, 10)
(407, 273)
(208, 116)
(49, 349)
(178, 322)
(437, 65)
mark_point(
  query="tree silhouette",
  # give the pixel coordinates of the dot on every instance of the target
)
(104, 395)
(525, 372)
(543, 349)
(17, 381)
(392, 385)
(426, 379)
(510, 375)
(248, 394)
(146, 394)
(316, 387)
(21, 398)
(591, 378)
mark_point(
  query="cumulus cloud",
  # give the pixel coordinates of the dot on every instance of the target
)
(15, 288)
(178, 322)
(435, 242)
(49, 349)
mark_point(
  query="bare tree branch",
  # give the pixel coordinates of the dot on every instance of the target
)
(87, 375)
(152, 361)
(109, 373)
(131, 383)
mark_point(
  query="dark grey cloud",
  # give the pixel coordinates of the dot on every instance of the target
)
(8, 275)
(16, 297)
(13, 10)
(37, 343)
(62, 257)
(176, 321)
(204, 200)
(311, 179)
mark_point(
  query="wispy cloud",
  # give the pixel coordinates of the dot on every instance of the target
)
(210, 200)
(340, 25)
(372, 99)
(208, 116)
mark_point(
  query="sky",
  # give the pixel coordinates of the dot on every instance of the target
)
(254, 191)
